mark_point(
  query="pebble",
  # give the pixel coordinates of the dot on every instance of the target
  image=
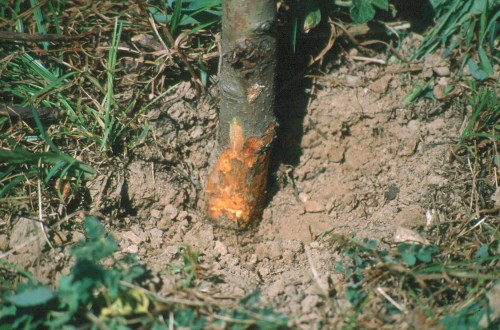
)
(406, 235)
(380, 85)
(156, 237)
(276, 288)
(314, 207)
(155, 214)
(264, 271)
(336, 153)
(304, 197)
(170, 212)
(290, 291)
(221, 248)
(129, 235)
(309, 303)
(132, 248)
(253, 259)
(442, 71)
(351, 80)
(314, 245)
(4, 242)
(77, 237)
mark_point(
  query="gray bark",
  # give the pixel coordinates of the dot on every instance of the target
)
(248, 67)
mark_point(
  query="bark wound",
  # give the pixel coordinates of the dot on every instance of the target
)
(236, 185)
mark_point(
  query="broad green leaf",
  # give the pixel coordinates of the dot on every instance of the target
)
(311, 13)
(7, 311)
(485, 62)
(382, 4)
(33, 297)
(478, 6)
(475, 71)
(409, 259)
(362, 11)
(482, 252)
(425, 253)
(158, 15)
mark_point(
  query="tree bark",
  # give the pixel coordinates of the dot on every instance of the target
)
(237, 184)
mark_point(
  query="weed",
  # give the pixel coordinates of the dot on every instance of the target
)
(111, 297)
(421, 274)
(190, 268)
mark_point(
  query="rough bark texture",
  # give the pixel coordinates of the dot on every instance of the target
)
(237, 184)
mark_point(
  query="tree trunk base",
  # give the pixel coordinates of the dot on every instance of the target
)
(236, 186)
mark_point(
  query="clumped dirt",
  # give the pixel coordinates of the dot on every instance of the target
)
(350, 160)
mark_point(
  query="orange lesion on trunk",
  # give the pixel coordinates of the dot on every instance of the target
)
(237, 184)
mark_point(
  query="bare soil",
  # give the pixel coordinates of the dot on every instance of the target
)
(350, 160)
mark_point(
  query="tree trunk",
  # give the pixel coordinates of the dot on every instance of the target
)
(237, 184)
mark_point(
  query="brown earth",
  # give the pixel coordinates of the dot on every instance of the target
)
(351, 160)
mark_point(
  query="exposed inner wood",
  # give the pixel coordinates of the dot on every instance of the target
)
(236, 185)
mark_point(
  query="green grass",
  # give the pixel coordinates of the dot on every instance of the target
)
(469, 27)
(446, 285)
(484, 121)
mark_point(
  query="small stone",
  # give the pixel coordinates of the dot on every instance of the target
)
(406, 235)
(221, 248)
(309, 303)
(59, 239)
(164, 224)
(155, 214)
(129, 235)
(197, 132)
(314, 245)
(290, 291)
(270, 249)
(391, 192)
(4, 242)
(182, 215)
(156, 237)
(310, 139)
(201, 236)
(412, 216)
(380, 86)
(77, 237)
(238, 292)
(264, 271)
(442, 71)
(292, 245)
(288, 257)
(439, 92)
(314, 207)
(132, 248)
(170, 212)
(23, 230)
(431, 63)
(336, 153)
(352, 80)
(253, 259)
(303, 197)
(276, 288)
(172, 250)
(232, 261)
(409, 147)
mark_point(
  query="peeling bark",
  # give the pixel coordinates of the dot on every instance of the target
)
(237, 184)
